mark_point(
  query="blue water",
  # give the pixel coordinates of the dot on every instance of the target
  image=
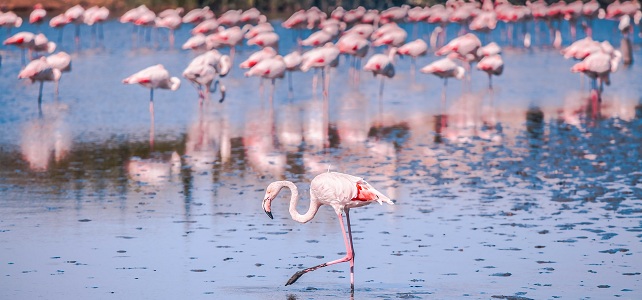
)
(528, 190)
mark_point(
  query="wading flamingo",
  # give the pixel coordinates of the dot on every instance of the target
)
(342, 192)
(40, 70)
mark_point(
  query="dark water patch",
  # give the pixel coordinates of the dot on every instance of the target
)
(613, 251)
(510, 249)
(184, 221)
(631, 274)
(519, 225)
(501, 274)
(125, 237)
(510, 297)
(198, 270)
(121, 251)
(604, 286)
(543, 231)
(608, 236)
(84, 220)
(629, 211)
(545, 262)
(539, 246)
(566, 241)
(407, 296)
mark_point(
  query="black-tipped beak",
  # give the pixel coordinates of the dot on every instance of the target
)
(269, 213)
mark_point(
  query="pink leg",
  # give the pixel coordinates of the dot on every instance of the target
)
(349, 255)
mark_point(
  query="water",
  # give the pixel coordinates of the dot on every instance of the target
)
(526, 191)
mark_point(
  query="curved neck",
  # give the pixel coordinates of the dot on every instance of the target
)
(294, 199)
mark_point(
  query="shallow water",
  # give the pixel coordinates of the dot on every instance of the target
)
(525, 191)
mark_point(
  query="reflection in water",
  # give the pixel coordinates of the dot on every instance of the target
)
(46, 137)
(469, 117)
(261, 145)
(154, 171)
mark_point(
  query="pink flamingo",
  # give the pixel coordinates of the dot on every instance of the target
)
(316, 39)
(171, 21)
(207, 27)
(265, 39)
(292, 63)
(10, 20)
(198, 15)
(252, 16)
(37, 16)
(33, 42)
(256, 57)
(393, 38)
(599, 65)
(444, 68)
(154, 77)
(203, 70)
(321, 58)
(465, 47)
(75, 15)
(96, 16)
(270, 68)
(230, 37)
(371, 16)
(354, 15)
(230, 18)
(364, 30)
(413, 49)
(255, 30)
(382, 65)
(357, 47)
(493, 65)
(40, 70)
(394, 14)
(342, 192)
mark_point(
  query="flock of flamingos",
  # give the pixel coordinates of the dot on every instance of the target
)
(350, 32)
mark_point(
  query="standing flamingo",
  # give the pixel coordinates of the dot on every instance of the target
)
(342, 192)
(382, 65)
(37, 16)
(493, 65)
(271, 68)
(444, 68)
(204, 69)
(154, 77)
(40, 70)
(413, 49)
(321, 58)
(292, 63)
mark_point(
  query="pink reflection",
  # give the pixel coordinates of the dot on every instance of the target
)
(47, 137)
(155, 171)
(208, 138)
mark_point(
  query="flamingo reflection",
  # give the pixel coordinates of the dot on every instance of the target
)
(46, 137)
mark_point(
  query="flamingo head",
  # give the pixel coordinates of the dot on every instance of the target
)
(270, 193)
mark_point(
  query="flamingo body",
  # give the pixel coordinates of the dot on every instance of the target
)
(340, 191)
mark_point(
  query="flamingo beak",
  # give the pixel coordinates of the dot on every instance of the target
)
(266, 208)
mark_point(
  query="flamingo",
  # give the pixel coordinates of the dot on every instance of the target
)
(154, 77)
(40, 70)
(599, 65)
(255, 30)
(317, 39)
(230, 18)
(252, 16)
(229, 37)
(204, 68)
(491, 49)
(171, 20)
(355, 45)
(37, 16)
(413, 49)
(33, 42)
(96, 16)
(292, 63)
(256, 57)
(75, 14)
(206, 27)
(382, 65)
(265, 39)
(342, 192)
(444, 68)
(270, 68)
(60, 61)
(493, 65)
(198, 15)
(321, 58)
(9, 20)
(196, 42)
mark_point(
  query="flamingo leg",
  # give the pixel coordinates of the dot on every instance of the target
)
(151, 128)
(349, 255)
(40, 96)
